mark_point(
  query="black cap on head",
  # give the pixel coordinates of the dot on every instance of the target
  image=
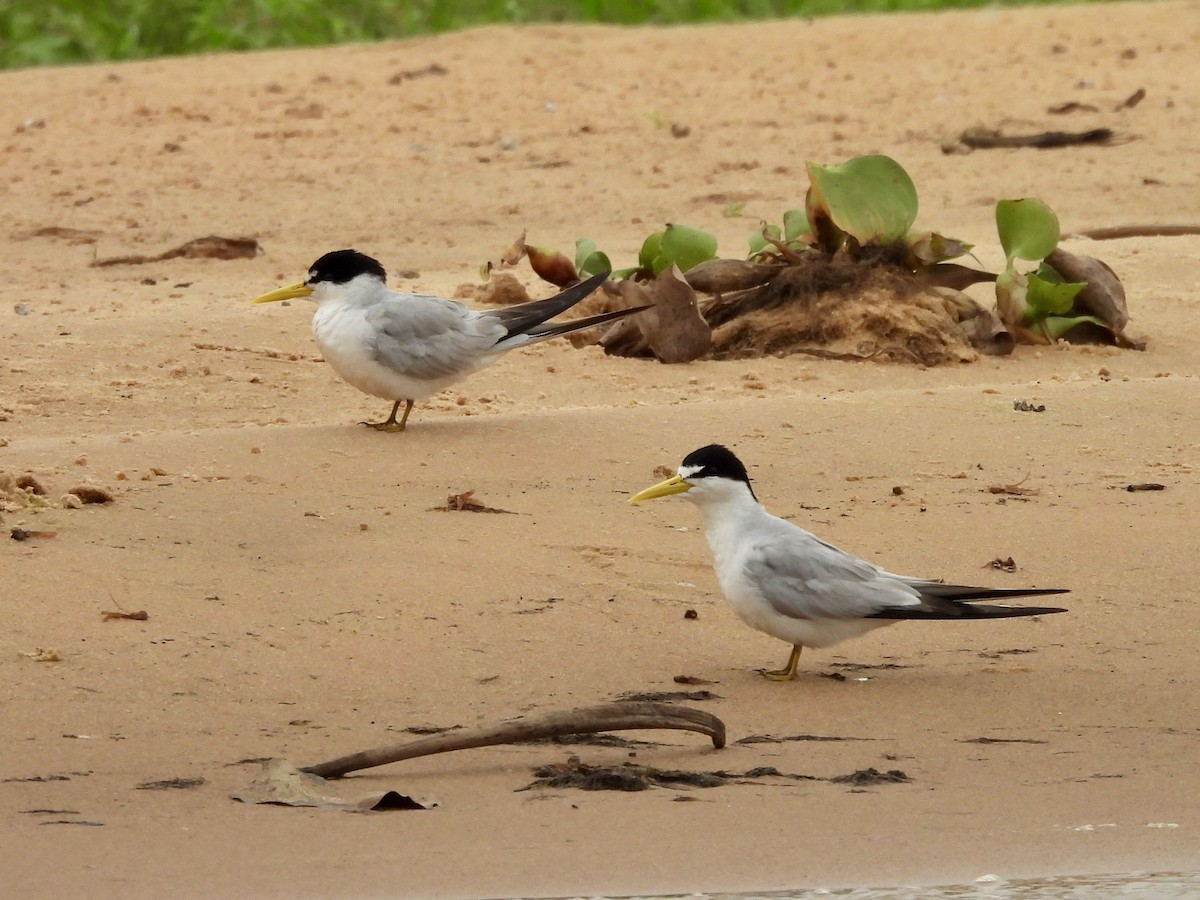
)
(716, 461)
(341, 266)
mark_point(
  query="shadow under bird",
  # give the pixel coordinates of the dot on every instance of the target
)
(405, 347)
(790, 584)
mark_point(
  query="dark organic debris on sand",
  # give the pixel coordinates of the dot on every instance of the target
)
(772, 739)
(173, 784)
(979, 138)
(21, 534)
(577, 774)
(594, 740)
(633, 777)
(868, 777)
(990, 740)
(466, 502)
(209, 247)
(110, 615)
(667, 696)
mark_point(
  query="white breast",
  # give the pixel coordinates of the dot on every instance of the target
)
(345, 339)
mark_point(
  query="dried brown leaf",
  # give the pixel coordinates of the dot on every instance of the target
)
(955, 275)
(1104, 296)
(673, 331)
(982, 326)
(515, 252)
(718, 276)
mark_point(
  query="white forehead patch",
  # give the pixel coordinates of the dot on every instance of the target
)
(686, 472)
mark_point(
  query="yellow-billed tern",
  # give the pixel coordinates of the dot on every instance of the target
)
(787, 582)
(405, 347)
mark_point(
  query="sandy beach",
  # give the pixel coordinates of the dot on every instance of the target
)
(305, 597)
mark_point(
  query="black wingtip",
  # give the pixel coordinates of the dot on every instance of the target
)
(556, 329)
(584, 288)
(965, 611)
(963, 593)
(596, 280)
(527, 318)
(1013, 612)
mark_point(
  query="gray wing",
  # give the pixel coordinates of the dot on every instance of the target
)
(431, 337)
(804, 577)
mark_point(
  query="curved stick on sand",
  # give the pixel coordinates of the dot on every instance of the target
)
(1114, 232)
(588, 720)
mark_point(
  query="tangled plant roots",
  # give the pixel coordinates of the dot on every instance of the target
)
(840, 308)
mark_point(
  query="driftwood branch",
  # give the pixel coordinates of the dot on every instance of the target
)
(1115, 232)
(589, 720)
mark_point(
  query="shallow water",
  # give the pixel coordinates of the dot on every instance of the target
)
(1151, 886)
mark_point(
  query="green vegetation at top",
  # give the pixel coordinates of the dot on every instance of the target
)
(44, 32)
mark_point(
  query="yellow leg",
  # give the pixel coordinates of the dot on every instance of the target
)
(391, 424)
(788, 672)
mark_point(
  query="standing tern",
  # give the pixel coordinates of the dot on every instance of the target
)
(405, 347)
(790, 584)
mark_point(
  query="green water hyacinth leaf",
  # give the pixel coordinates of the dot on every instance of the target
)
(1057, 326)
(870, 198)
(758, 241)
(1047, 272)
(589, 260)
(1028, 229)
(594, 264)
(584, 247)
(1048, 298)
(649, 250)
(795, 223)
(684, 246)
